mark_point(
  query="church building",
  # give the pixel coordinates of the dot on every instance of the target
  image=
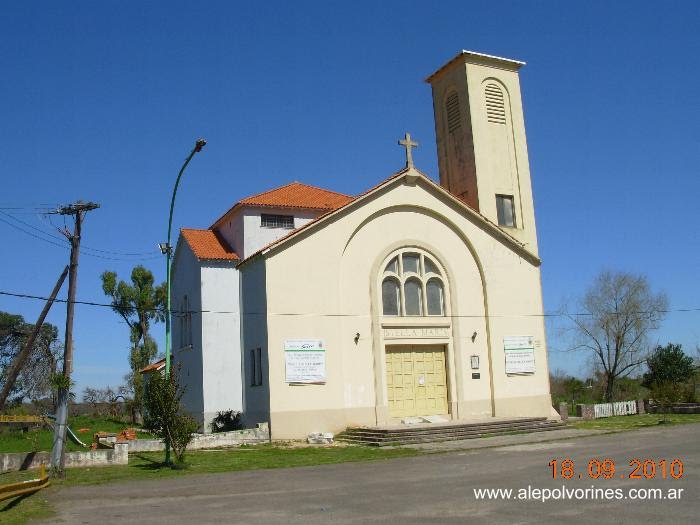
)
(413, 301)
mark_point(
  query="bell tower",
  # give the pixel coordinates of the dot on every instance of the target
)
(481, 146)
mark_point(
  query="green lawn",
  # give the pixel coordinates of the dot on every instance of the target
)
(14, 440)
(617, 423)
(149, 466)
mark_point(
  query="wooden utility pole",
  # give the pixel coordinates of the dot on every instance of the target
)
(78, 211)
(29, 345)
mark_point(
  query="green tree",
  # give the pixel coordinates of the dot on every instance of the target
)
(163, 414)
(139, 304)
(613, 320)
(668, 364)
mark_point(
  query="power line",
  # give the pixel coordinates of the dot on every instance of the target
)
(137, 256)
(291, 314)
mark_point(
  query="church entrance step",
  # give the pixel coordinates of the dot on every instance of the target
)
(435, 433)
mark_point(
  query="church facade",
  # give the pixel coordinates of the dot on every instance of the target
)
(413, 301)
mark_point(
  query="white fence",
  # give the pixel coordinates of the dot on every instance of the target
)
(621, 408)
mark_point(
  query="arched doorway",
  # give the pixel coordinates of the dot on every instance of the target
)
(416, 375)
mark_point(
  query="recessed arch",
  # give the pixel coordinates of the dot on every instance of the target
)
(381, 261)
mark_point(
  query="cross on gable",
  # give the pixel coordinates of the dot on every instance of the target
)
(408, 144)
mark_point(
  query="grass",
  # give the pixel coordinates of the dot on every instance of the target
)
(41, 439)
(620, 423)
(149, 465)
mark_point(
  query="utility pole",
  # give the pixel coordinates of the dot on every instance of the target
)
(78, 211)
(29, 345)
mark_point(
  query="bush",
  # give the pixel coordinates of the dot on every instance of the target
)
(164, 416)
(226, 420)
(666, 394)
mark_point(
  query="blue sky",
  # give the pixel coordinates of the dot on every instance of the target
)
(102, 101)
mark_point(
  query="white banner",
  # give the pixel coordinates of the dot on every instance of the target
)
(520, 354)
(304, 361)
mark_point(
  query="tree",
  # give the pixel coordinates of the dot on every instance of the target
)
(164, 415)
(100, 398)
(613, 321)
(138, 303)
(34, 380)
(668, 364)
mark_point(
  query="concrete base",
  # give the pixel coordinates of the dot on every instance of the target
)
(90, 458)
(261, 434)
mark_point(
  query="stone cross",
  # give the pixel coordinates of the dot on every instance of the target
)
(408, 144)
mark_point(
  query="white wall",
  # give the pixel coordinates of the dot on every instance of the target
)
(186, 281)
(245, 235)
(254, 320)
(221, 356)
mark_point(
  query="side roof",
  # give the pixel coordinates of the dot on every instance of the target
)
(208, 245)
(295, 196)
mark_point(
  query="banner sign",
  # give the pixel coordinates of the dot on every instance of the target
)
(520, 354)
(304, 361)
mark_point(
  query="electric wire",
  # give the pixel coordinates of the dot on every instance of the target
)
(295, 314)
(86, 250)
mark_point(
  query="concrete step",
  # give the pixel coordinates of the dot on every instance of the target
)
(443, 429)
(383, 437)
(413, 431)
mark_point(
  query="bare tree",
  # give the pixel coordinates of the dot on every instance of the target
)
(613, 321)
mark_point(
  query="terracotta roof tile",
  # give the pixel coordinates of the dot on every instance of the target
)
(153, 366)
(298, 195)
(207, 244)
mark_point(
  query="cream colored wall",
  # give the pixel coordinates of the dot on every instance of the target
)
(494, 157)
(324, 285)
(497, 153)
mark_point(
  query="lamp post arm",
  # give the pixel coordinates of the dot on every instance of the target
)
(168, 255)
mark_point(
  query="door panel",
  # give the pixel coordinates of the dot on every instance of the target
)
(416, 380)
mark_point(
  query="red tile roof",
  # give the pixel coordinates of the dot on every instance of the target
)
(293, 195)
(298, 195)
(153, 366)
(207, 244)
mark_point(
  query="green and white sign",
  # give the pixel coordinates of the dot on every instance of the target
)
(304, 361)
(520, 354)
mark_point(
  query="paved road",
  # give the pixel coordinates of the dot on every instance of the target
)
(437, 488)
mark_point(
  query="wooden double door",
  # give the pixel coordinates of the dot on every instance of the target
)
(416, 380)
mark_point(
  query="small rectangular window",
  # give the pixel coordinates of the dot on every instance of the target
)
(256, 367)
(277, 221)
(505, 210)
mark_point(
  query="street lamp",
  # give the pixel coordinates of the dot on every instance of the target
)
(167, 249)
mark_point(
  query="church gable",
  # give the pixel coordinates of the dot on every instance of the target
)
(409, 177)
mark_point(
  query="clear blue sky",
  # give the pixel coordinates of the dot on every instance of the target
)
(103, 100)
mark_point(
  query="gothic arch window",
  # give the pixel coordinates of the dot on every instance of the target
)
(413, 285)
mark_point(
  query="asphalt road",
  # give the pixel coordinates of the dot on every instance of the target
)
(437, 488)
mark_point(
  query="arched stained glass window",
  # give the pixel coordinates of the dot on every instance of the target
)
(413, 285)
(391, 300)
(414, 297)
(435, 299)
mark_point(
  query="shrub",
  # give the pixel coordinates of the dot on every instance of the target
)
(665, 395)
(164, 416)
(226, 420)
